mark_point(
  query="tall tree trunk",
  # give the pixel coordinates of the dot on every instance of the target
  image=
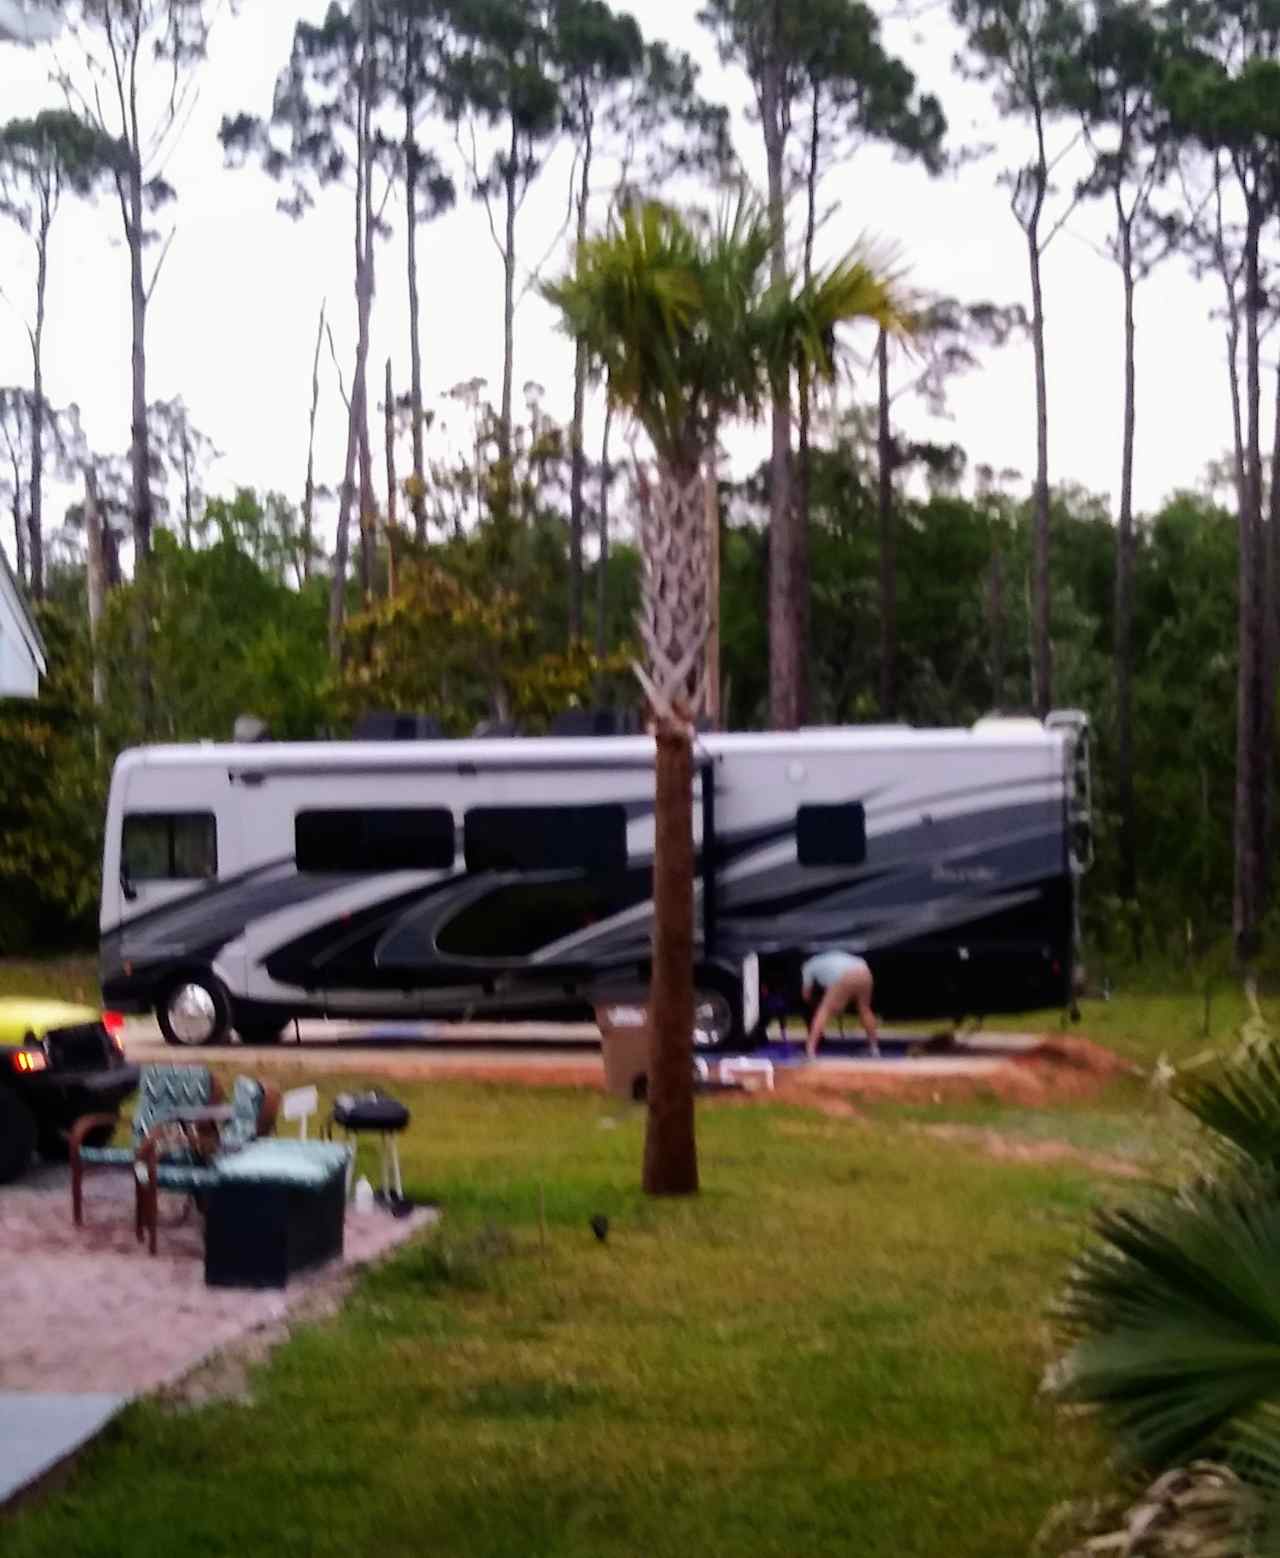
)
(713, 591)
(20, 542)
(368, 506)
(342, 542)
(510, 180)
(1247, 903)
(888, 541)
(996, 625)
(578, 463)
(1042, 644)
(389, 433)
(140, 445)
(187, 517)
(602, 569)
(419, 490)
(357, 419)
(95, 580)
(36, 497)
(20, 533)
(803, 493)
(788, 553)
(309, 492)
(670, 1142)
(1124, 583)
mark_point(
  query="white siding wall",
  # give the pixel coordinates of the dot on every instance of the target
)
(19, 673)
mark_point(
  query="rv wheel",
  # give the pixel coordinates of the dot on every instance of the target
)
(17, 1136)
(195, 1011)
(715, 1015)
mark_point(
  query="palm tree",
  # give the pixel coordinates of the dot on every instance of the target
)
(683, 318)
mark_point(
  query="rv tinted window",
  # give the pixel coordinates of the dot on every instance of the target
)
(546, 838)
(169, 846)
(831, 835)
(419, 839)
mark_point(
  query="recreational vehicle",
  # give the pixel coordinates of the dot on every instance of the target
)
(246, 885)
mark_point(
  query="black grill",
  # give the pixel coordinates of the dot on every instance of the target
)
(83, 1048)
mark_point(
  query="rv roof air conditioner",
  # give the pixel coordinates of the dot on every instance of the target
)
(249, 728)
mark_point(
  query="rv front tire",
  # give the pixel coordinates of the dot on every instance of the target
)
(196, 1010)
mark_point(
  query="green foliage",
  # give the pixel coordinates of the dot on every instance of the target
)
(467, 652)
(51, 802)
(234, 641)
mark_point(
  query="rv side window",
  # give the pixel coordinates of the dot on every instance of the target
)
(546, 838)
(169, 846)
(417, 839)
(831, 835)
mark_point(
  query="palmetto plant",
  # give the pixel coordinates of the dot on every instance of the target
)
(682, 318)
(1172, 1314)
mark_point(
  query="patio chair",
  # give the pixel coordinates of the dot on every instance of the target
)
(161, 1089)
(254, 1106)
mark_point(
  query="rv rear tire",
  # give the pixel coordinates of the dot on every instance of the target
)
(17, 1136)
(717, 1019)
(195, 1010)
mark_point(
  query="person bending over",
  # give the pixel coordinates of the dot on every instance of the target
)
(844, 980)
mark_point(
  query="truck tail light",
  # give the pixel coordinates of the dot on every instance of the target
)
(113, 1022)
(25, 1061)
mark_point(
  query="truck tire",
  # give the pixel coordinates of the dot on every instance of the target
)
(195, 1010)
(17, 1136)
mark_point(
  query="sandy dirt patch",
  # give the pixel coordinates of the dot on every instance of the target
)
(105, 1316)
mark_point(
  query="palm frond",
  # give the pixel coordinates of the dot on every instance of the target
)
(1174, 1315)
(1238, 1101)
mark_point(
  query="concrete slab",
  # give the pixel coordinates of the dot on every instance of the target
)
(39, 1432)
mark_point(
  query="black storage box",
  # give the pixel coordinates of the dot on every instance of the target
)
(263, 1228)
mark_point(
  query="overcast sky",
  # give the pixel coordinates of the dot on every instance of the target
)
(233, 322)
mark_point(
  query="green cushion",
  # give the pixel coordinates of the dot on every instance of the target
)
(117, 1157)
(179, 1176)
(122, 1157)
(309, 1164)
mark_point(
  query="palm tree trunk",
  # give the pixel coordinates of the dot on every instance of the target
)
(673, 628)
(670, 1143)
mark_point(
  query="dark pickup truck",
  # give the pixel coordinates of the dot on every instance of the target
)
(57, 1063)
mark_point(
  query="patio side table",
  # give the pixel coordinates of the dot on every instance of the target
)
(277, 1208)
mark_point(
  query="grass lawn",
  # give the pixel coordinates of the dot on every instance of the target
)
(834, 1349)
